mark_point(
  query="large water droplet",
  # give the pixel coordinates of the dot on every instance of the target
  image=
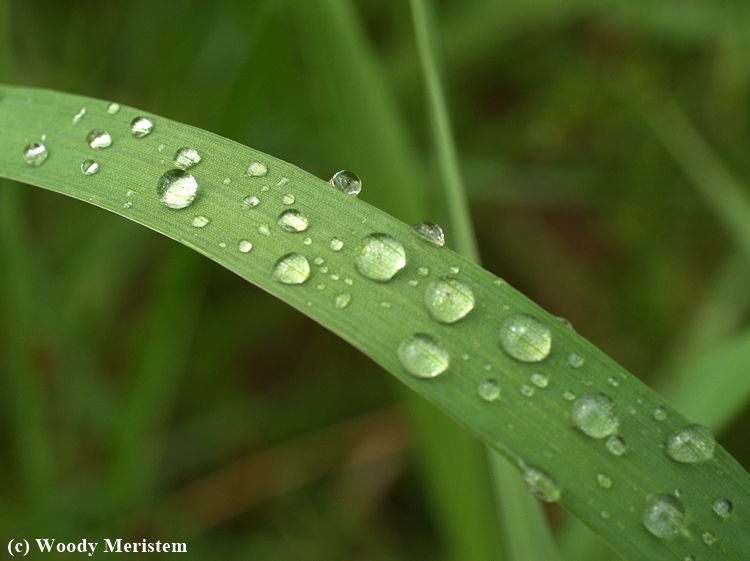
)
(292, 268)
(422, 356)
(541, 485)
(200, 221)
(78, 116)
(616, 445)
(177, 189)
(140, 127)
(525, 338)
(256, 169)
(489, 390)
(347, 181)
(691, 444)
(448, 299)
(664, 516)
(35, 154)
(342, 300)
(244, 246)
(251, 201)
(379, 257)
(430, 232)
(89, 167)
(723, 508)
(604, 481)
(594, 414)
(186, 158)
(293, 220)
(113, 108)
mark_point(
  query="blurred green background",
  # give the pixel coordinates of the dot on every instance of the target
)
(145, 392)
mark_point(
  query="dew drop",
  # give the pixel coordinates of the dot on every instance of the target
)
(448, 299)
(251, 201)
(177, 189)
(200, 221)
(256, 169)
(186, 158)
(689, 558)
(35, 154)
(127, 205)
(594, 414)
(336, 244)
(264, 229)
(423, 271)
(603, 481)
(541, 485)
(89, 167)
(575, 360)
(616, 445)
(379, 257)
(78, 116)
(307, 241)
(422, 356)
(691, 444)
(613, 381)
(348, 281)
(660, 414)
(455, 269)
(664, 516)
(342, 300)
(319, 260)
(293, 220)
(525, 338)
(222, 245)
(412, 282)
(288, 199)
(347, 181)
(99, 139)
(430, 232)
(565, 322)
(244, 246)
(568, 395)
(113, 108)
(140, 127)
(527, 390)
(292, 268)
(540, 380)
(723, 508)
(489, 390)
(708, 538)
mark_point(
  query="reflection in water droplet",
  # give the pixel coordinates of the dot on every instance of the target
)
(489, 390)
(664, 516)
(660, 414)
(540, 380)
(288, 199)
(616, 445)
(244, 246)
(379, 257)
(89, 167)
(342, 300)
(256, 169)
(336, 244)
(99, 139)
(200, 221)
(430, 232)
(113, 108)
(603, 481)
(525, 338)
(177, 189)
(422, 356)
(186, 158)
(691, 444)
(594, 414)
(251, 201)
(448, 299)
(293, 220)
(35, 154)
(723, 508)
(575, 360)
(292, 268)
(708, 538)
(541, 485)
(347, 181)
(78, 116)
(140, 127)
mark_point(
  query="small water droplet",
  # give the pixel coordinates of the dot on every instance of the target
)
(527, 390)
(616, 445)
(177, 189)
(568, 395)
(603, 481)
(348, 281)
(455, 269)
(412, 282)
(251, 201)
(89, 167)
(336, 244)
(575, 360)
(342, 300)
(723, 508)
(256, 169)
(613, 381)
(226, 181)
(689, 558)
(708, 538)
(140, 127)
(293, 220)
(379, 257)
(264, 229)
(660, 414)
(35, 154)
(594, 414)
(282, 181)
(525, 338)
(565, 322)
(488, 390)
(319, 260)
(307, 241)
(222, 245)
(691, 444)
(288, 199)
(664, 516)
(385, 305)
(540, 380)
(488, 366)
(423, 271)
(541, 485)
(113, 108)
(423, 356)
(78, 116)
(324, 270)
(347, 181)
(200, 221)
(321, 286)
(292, 268)
(186, 158)
(244, 246)
(127, 205)
(448, 299)
(430, 232)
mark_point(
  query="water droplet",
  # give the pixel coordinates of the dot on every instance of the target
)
(708, 538)
(226, 181)
(292, 268)
(89, 167)
(186, 158)
(448, 299)
(527, 390)
(603, 481)
(594, 414)
(689, 558)
(264, 229)
(660, 414)
(200, 221)
(293, 220)
(35, 154)
(324, 270)
(568, 395)
(319, 260)
(423, 271)
(251, 201)
(664, 516)
(113, 108)
(127, 205)
(342, 300)
(288, 199)
(379, 257)
(265, 188)
(177, 189)
(222, 245)
(723, 508)
(78, 116)
(348, 281)
(539, 380)
(565, 322)
(613, 381)
(575, 360)
(541, 485)
(347, 181)
(282, 181)
(422, 356)
(140, 127)
(691, 444)
(307, 241)
(616, 445)
(256, 169)
(455, 269)
(430, 232)
(412, 282)
(489, 390)
(336, 244)
(244, 246)
(525, 338)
